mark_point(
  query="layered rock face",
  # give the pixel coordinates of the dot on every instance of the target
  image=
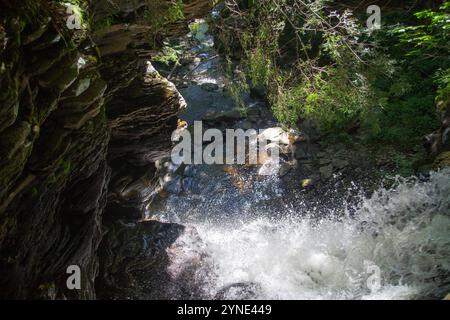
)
(142, 109)
(54, 139)
(83, 117)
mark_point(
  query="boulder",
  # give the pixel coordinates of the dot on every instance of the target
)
(277, 135)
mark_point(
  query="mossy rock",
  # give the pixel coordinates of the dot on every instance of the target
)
(442, 160)
(443, 102)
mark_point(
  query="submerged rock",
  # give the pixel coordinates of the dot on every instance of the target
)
(326, 172)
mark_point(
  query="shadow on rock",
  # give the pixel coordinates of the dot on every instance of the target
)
(134, 262)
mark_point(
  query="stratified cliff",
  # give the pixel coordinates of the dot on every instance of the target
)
(83, 118)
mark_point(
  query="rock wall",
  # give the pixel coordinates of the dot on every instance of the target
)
(83, 117)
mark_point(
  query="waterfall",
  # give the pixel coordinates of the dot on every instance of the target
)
(394, 245)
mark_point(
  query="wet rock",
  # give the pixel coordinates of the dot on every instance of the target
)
(143, 117)
(211, 87)
(246, 125)
(189, 171)
(324, 161)
(277, 135)
(187, 184)
(254, 111)
(340, 163)
(225, 116)
(285, 168)
(240, 290)
(326, 172)
(172, 184)
(135, 261)
(130, 190)
(321, 154)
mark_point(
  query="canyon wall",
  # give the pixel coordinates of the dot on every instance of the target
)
(83, 118)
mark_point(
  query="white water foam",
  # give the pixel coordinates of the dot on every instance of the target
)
(402, 233)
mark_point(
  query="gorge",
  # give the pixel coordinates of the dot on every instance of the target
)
(86, 178)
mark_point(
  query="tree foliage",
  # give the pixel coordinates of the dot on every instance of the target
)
(318, 61)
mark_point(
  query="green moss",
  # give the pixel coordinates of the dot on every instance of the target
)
(168, 56)
(158, 14)
(442, 160)
(61, 174)
(66, 167)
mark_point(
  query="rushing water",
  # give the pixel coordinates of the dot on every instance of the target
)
(246, 238)
(396, 245)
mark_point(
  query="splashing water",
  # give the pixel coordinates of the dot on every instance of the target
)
(395, 246)
(245, 239)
